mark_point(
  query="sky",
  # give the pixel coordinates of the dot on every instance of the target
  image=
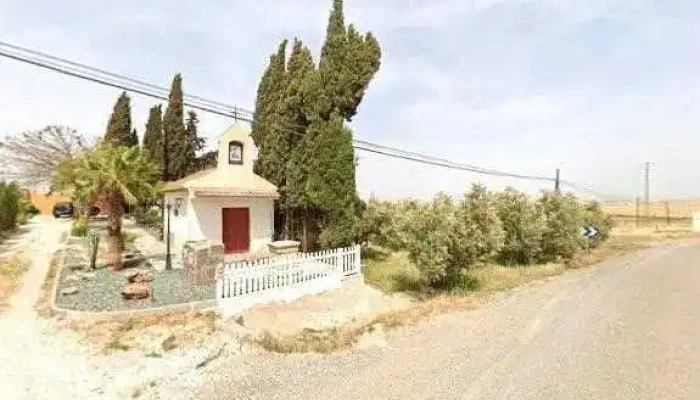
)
(593, 87)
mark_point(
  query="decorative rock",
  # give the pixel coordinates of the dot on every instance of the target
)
(72, 278)
(75, 267)
(135, 291)
(87, 275)
(138, 276)
(69, 290)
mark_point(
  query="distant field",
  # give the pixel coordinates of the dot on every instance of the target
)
(676, 209)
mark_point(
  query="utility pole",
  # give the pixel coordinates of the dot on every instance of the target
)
(556, 182)
(646, 189)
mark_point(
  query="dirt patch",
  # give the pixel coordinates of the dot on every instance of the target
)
(11, 273)
(354, 301)
(151, 335)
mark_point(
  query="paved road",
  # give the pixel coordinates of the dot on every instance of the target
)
(629, 329)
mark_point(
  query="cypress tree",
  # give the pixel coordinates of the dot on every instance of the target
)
(194, 143)
(303, 146)
(134, 138)
(348, 63)
(322, 178)
(119, 125)
(153, 137)
(268, 123)
(175, 140)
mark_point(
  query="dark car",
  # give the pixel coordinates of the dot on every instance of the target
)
(63, 210)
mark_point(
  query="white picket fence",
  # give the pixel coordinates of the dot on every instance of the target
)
(242, 284)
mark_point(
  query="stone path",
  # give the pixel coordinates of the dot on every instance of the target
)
(40, 242)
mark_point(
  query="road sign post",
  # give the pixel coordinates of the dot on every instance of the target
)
(589, 232)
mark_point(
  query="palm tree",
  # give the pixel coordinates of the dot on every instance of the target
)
(123, 175)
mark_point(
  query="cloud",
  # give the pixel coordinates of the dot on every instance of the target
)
(595, 87)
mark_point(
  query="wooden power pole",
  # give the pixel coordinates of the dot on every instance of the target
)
(646, 190)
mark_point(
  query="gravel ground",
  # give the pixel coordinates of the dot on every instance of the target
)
(102, 292)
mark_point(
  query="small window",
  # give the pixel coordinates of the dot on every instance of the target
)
(235, 153)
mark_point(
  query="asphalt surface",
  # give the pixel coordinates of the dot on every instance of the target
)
(629, 329)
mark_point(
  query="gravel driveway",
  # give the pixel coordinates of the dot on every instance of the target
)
(626, 330)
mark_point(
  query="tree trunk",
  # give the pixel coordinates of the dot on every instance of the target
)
(115, 240)
(287, 222)
(304, 232)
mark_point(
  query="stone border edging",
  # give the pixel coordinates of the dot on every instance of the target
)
(202, 305)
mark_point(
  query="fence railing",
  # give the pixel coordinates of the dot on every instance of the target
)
(285, 277)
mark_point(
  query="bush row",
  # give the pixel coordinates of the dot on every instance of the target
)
(446, 236)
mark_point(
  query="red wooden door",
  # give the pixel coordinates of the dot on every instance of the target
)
(235, 225)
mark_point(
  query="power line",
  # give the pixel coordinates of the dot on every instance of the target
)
(103, 77)
(98, 71)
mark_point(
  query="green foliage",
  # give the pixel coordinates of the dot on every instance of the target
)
(153, 137)
(446, 239)
(119, 126)
(478, 234)
(431, 237)
(134, 138)
(79, 228)
(27, 210)
(10, 205)
(175, 140)
(123, 175)
(564, 218)
(523, 226)
(194, 143)
(303, 146)
(595, 217)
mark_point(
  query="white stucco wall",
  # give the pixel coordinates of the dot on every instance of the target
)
(202, 219)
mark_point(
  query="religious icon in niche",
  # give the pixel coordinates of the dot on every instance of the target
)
(235, 153)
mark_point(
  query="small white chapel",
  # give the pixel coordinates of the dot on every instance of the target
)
(228, 205)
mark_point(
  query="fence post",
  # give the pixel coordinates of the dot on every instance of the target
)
(339, 261)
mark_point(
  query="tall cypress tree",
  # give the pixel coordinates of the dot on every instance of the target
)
(314, 147)
(119, 125)
(153, 137)
(175, 141)
(268, 123)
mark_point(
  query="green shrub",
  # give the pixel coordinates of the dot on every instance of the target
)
(448, 239)
(10, 201)
(79, 228)
(564, 218)
(387, 224)
(523, 226)
(27, 210)
(430, 238)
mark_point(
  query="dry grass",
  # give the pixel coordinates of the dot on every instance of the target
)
(11, 273)
(676, 208)
(338, 339)
(391, 272)
(148, 333)
(43, 306)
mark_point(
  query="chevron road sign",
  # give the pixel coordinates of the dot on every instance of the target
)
(588, 231)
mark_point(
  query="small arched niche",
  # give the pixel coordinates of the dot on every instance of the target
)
(235, 153)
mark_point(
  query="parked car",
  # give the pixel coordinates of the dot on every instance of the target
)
(63, 210)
